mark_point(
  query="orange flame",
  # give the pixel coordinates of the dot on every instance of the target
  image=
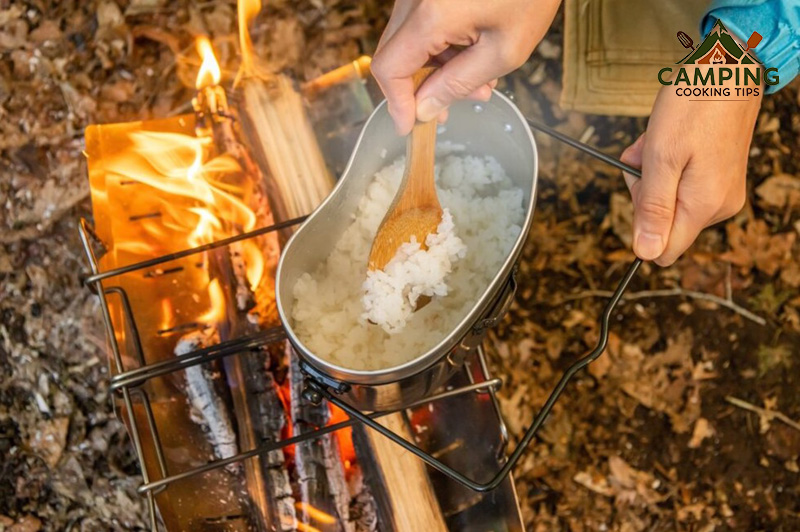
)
(315, 513)
(217, 298)
(174, 163)
(247, 11)
(345, 436)
(254, 262)
(196, 202)
(210, 73)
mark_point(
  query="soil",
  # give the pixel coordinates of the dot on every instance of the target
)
(688, 422)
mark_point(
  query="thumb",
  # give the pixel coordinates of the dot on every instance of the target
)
(459, 78)
(654, 201)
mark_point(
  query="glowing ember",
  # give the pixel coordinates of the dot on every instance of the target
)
(345, 437)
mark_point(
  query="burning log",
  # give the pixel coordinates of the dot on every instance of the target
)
(320, 471)
(257, 403)
(262, 418)
(279, 130)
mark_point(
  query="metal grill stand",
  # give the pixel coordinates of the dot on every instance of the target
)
(128, 383)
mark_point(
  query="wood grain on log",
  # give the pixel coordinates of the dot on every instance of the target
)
(283, 142)
(398, 480)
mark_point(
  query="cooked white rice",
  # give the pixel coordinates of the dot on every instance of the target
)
(328, 315)
(390, 295)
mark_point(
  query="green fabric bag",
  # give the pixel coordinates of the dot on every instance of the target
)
(613, 50)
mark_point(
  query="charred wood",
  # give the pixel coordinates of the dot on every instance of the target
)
(320, 471)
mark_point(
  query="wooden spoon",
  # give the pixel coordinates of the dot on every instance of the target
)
(415, 210)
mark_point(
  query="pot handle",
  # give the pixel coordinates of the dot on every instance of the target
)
(502, 306)
(580, 146)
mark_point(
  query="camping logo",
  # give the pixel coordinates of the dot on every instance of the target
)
(720, 67)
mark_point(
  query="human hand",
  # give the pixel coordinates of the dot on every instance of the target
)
(693, 158)
(474, 41)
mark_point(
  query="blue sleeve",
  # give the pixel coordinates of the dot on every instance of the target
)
(778, 21)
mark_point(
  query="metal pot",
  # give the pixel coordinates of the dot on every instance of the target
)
(495, 128)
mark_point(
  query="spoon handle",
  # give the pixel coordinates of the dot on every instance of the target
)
(418, 184)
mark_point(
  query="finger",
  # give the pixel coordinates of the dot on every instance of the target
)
(654, 200)
(446, 56)
(401, 56)
(685, 229)
(482, 94)
(442, 118)
(457, 79)
(400, 12)
(632, 156)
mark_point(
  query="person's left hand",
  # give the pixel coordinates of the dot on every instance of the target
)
(693, 158)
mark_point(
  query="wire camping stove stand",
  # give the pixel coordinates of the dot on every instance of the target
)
(128, 383)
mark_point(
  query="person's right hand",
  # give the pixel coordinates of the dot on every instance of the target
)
(475, 41)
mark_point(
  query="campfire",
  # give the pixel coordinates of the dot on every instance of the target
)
(191, 212)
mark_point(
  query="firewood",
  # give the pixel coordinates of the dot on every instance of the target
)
(282, 140)
(399, 480)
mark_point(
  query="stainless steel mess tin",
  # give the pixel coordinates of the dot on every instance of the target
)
(495, 128)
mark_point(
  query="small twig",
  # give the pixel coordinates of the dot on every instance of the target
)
(728, 287)
(673, 292)
(767, 413)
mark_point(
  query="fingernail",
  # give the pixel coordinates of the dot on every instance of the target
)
(649, 246)
(429, 108)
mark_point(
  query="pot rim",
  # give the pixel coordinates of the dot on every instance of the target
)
(482, 306)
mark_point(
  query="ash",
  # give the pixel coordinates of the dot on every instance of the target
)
(203, 387)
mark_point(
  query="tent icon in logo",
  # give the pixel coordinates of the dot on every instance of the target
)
(719, 48)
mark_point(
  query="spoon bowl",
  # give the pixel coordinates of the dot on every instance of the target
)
(416, 211)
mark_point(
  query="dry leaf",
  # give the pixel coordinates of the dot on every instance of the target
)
(756, 247)
(14, 35)
(780, 191)
(791, 275)
(632, 485)
(119, 91)
(599, 368)
(702, 430)
(48, 30)
(49, 439)
(28, 523)
(693, 511)
(594, 482)
(109, 15)
(620, 217)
